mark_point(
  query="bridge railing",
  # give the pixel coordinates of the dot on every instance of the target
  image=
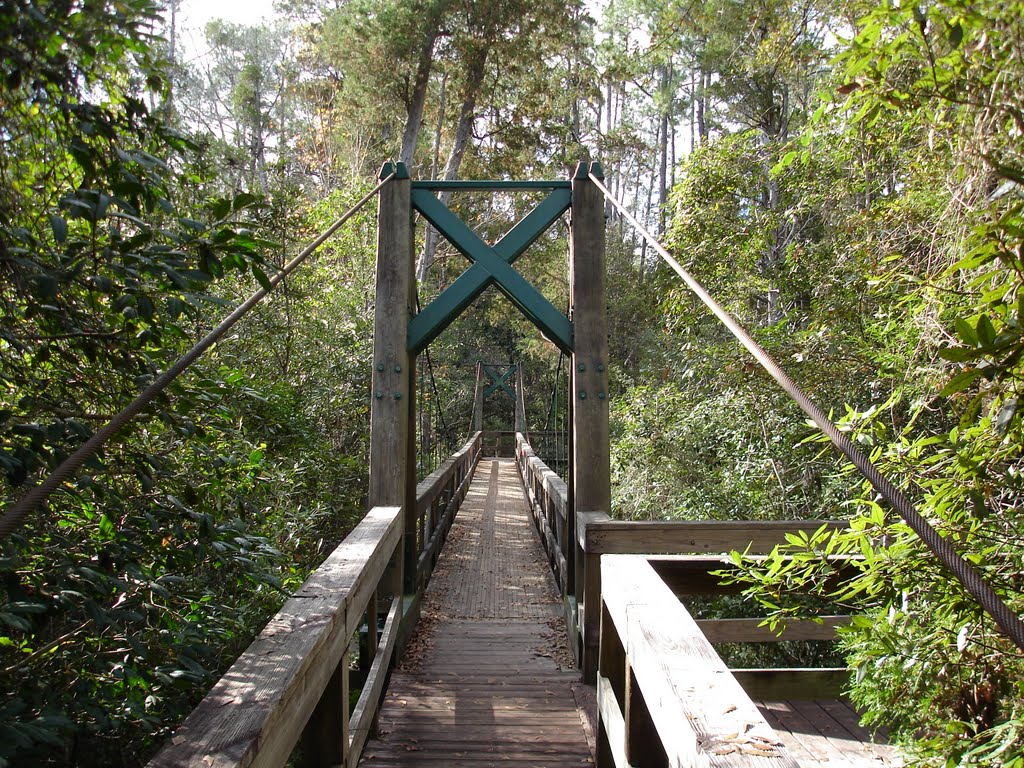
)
(293, 681)
(549, 501)
(622, 581)
(438, 497)
(684, 552)
(664, 695)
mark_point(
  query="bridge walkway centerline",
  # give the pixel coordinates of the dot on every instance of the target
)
(488, 677)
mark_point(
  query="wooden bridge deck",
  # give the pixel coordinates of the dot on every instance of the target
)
(489, 677)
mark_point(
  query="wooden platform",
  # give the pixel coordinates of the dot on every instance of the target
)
(489, 677)
(826, 733)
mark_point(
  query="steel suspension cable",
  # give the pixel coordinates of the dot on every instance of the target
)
(972, 581)
(13, 517)
(433, 385)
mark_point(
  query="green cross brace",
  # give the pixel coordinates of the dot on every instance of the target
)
(500, 382)
(490, 265)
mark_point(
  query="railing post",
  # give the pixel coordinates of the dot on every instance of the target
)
(478, 400)
(392, 375)
(520, 414)
(591, 472)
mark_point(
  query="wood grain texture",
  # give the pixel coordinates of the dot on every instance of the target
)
(702, 715)
(827, 733)
(365, 711)
(255, 713)
(391, 375)
(488, 678)
(670, 537)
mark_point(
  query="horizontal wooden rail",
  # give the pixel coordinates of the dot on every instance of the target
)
(293, 680)
(256, 712)
(664, 695)
(438, 497)
(672, 537)
(684, 554)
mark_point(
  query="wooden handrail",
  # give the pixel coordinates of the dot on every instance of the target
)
(575, 546)
(438, 497)
(549, 502)
(256, 712)
(292, 681)
(664, 695)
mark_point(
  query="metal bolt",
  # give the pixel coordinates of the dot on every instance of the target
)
(380, 395)
(398, 369)
(398, 395)
(600, 395)
(600, 368)
(380, 367)
(581, 367)
(583, 395)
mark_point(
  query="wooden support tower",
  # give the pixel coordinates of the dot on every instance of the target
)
(591, 466)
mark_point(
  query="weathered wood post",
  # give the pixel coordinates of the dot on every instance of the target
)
(392, 401)
(478, 399)
(325, 739)
(520, 417)
(591, 466)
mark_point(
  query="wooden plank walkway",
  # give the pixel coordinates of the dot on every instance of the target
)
(489, 679)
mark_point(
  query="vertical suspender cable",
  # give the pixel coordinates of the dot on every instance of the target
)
(972, 581)
(13, 517)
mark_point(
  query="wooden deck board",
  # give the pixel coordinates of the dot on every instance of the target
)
(488, 680)
(826, 733)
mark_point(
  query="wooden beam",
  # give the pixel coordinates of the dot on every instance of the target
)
(670, 537)
(588, 592)
(591, 463)
(700, 712)
(751, 631)
(613, 728)
(591, 466)
(391, 376)
(365, 711)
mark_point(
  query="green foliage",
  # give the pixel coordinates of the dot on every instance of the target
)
(940, 230)
(141, 580)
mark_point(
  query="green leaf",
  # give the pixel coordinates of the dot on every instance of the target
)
(956, 34)
(966, 332)
(986, 332)
(261, 278)
(59, 227)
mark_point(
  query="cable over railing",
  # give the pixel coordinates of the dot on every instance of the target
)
(13, 517)
(972, 581)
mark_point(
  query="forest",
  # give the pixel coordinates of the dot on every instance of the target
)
(846, 178)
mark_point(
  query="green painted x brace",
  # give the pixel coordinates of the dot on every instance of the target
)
(490, 265)
(500, 382)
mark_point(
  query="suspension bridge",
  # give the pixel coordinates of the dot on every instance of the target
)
(494, 613)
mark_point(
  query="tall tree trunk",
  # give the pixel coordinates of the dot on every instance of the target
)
(418, 99)
(664, 109)
(702, 104)
(467, 116)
